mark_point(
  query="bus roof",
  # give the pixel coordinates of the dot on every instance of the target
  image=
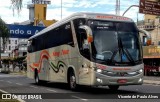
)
(99, 16)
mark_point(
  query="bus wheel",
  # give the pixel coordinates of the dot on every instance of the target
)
(113, 87)
(37, 81)
(72, 81)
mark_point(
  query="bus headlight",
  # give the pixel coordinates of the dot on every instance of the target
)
(140, 71)
(99, 70)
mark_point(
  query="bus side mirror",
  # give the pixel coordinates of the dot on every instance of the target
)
(88, 33)
(148, 42)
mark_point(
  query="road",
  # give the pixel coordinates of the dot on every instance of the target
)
(57, 92)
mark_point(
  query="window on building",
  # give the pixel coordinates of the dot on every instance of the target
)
(15, 41)
(9, 41)
(158, 42)
(9, 48)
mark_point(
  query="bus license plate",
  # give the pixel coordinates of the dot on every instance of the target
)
(122, 81)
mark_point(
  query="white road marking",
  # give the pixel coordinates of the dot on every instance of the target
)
(33, 86)
(136, 89)
(51, 90)
(146, 84)
(80, 98)
(18, 84)
(3, 91)
(152, 84)
(9, 81)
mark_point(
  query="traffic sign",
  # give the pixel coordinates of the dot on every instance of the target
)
(149, 7)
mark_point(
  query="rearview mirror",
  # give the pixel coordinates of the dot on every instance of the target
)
(88, 33)
(149, 41)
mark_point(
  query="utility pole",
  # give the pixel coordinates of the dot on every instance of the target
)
(61, 9)
(117, 7)
(137, 18)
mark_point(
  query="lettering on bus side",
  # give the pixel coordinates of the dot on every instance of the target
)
(65, 52)
(56, 54)
(62, 52)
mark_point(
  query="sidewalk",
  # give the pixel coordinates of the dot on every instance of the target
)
(152, 80)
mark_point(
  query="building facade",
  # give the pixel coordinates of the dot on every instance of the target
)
(151, 23)
(17, 47)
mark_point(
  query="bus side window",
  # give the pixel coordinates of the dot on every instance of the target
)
(31, 47)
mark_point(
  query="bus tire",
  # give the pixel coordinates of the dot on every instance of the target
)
(36, 77)
(113, 87)
(72, 80)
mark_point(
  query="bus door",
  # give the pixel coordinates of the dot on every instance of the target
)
(84, 60)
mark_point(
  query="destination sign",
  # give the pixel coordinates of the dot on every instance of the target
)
(149, 7)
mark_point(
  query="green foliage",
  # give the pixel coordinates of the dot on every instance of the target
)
(19, 59)
(6, 61)
(11, 60)
(4, 33)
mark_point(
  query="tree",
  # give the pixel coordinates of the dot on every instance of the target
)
(4, 35)
(16, 4)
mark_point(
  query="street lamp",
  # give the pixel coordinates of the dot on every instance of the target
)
(129, 8)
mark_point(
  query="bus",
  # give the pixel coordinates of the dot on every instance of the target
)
(92, 49)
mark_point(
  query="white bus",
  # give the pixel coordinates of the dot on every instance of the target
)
(91, 49)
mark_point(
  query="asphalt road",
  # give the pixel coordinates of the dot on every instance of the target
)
(58, 92)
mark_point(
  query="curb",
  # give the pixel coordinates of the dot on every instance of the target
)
(151, 82)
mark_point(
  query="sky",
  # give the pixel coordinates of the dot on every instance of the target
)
(69, 7)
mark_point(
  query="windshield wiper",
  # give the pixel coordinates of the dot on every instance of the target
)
(122, 51)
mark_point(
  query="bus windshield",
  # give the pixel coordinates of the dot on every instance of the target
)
(115, 42)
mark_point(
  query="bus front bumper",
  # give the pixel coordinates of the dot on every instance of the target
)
(101, 80)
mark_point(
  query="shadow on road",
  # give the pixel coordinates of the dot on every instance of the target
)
(87, 89)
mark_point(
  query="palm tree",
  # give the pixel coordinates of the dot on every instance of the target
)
(16, 4)
(4, 35)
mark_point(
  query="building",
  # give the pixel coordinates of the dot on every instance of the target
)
(151, 23)
(37, 17)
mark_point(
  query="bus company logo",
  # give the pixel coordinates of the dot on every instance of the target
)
(122, 74)
(6, 96)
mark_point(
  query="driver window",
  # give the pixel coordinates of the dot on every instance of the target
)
(83, 39)
(84, 47)
(81, 36)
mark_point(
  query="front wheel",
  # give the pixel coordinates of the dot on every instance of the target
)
(113, 87)
(72, 81)
(37, 81)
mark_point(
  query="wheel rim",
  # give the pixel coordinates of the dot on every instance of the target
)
(72, 81)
